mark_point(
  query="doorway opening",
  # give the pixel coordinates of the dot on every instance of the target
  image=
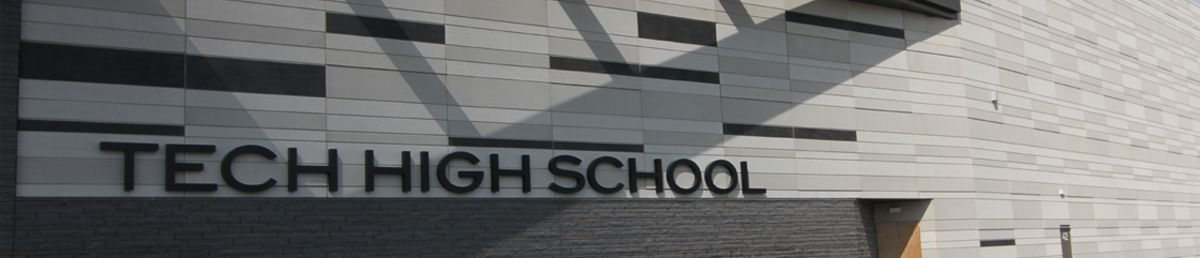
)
(898, 227)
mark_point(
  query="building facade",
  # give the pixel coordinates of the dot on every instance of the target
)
(814, 128)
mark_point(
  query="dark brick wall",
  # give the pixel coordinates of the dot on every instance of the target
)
(297, 227)
(10, 31)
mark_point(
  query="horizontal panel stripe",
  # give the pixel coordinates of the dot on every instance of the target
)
(101, 65)
(384, 28)
(835, 23)
(675, 29)
(998, 242)
(99, 127)
(646, 71)
(146, 68)
(789, 132)
(593, 66)
(500, 143)
(825, 134)
(587, 146)
(680, 74)
(238, 75)
(535, 144)
(757, 130)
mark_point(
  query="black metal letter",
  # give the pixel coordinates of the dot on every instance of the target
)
(129, 149)
(405, 171)
(712, 185)
(173, 167)
(746, 182)
(330, 171)
(227, 168)
(591, 174)
(475, 176)
(656, 175)
(578, 177)
(424, 171)
(497, 172)
(695, 174)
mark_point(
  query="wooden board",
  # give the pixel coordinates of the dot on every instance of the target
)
(898, 239)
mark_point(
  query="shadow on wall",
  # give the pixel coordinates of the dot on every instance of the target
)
(817, 66)
(805, 67)
(254, 226)
(830, 63)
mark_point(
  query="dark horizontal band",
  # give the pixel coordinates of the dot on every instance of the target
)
(675, 29)
(646, 71)
(102, 65)
(789, 132)
(239, 75)
(587, 146)
(499, 143)
(99, 127)
(593, 66)
(148, 68)
(535, 144)
(998, 242)
(680, 74)
(825, 134)
(384, 28)
(840, 24)
(757, 130)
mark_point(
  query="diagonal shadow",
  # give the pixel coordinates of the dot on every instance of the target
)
(436, 94)
(604, 46)
(827, 52)
(826, 58)
(506, 234)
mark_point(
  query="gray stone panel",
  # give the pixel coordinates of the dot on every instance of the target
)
(519, 11)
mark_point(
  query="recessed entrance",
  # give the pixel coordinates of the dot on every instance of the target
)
(897, 227)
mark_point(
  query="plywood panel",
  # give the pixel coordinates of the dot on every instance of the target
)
(898, 239)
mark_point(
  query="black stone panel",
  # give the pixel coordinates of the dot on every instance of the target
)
(226, 74)
(102, 65)
(646, 71)
(442, 227)
(148, 68)
(99, 127)
(589, 146)
(757, 130)
(997, 242)
(384, 28)
(790, 132)
(840, 24)
(535, 144)
(680, 74)
(682, 30)
(499, 143)
(593, 66)
(826, 134)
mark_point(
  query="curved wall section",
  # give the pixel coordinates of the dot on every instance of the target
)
(989, 133)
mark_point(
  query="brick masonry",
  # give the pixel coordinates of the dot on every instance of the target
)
(10, 31)
(293, 227)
